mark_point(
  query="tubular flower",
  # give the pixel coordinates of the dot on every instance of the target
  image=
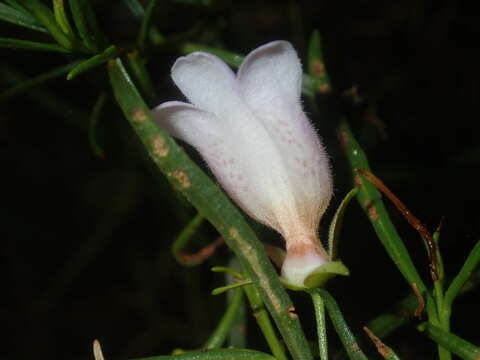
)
(253, 134)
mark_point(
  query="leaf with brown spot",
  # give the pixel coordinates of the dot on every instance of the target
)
(182, 177)
(160, 148)
(411, 219)
(138, 115)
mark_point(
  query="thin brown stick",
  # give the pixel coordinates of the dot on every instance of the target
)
(421, 302)
(382, 349)
(201, 255)
(411, 219)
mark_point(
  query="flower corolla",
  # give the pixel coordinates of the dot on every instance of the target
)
(251, 130)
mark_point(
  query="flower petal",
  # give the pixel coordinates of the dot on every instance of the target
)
(207, 82)
(271, 74)
(242, 157)
(270, 82)
(186, 122)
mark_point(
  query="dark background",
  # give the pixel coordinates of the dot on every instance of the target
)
(85, 244)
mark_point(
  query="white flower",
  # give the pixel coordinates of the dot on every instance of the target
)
(252, 132)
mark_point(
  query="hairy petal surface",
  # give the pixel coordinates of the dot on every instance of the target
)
(241, 155)
(270, 82)
(207, 82)
(186, 122)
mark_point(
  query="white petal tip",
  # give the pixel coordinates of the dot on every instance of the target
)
(276, 43)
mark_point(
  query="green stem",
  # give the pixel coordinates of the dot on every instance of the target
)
(213, 204)
(443, 318)
(184, 237)
(451, 342)
(263, 321)
(346, 336)
(463, 275)
(321, 328)
(237, 336)
(443, 353)
(444, 303)
(220, 334)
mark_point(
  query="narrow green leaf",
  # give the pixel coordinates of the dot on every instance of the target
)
(385, 324)
(35, 81)
(237, 336)
(371, 202)
(319, 307)
(146, 24)
(16, 5)
(94, 118)
(86, 24)
(156, 38)
(346, 336)
(316, 63)
(218, 337)
(135, 8)
(45, 16)
(30, 45)
(263, 320)
(336, 224)
(440, 267)
(216, 354)
(463, 275)
(222, 289)
(20, 18)
(314, 52)
(451, 342)
(232, 272)
(213, 204)
(94, 61)
(61, 16)
(184, 237)
(136, 64)
(229, 57)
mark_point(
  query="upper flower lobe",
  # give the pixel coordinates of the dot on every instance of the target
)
(252, 132)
